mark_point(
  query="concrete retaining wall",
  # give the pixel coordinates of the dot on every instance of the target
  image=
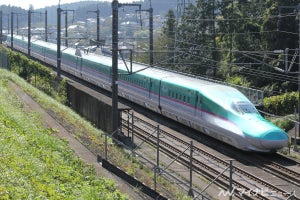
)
(92, 105)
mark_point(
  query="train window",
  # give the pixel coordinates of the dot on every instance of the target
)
(184, 98)
(243, 107)
(188, 99)
(176, 96)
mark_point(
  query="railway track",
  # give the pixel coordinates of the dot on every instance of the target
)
(246, 185)
(291, 175)
(212, 166)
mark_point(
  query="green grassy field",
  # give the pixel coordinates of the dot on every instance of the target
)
(34, 163)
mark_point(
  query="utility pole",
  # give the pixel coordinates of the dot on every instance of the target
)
(46, 26)
(12, 22)
(8, 24)
(3, 19)
(98, 25)
(58, 55)
(17, 14)
(29, 32)
(214, 53)
(298, 14)
(181, 5)
(151, 36)
(115, 38)
(191, 192)
(150, 10)
(12, 31)
(1, 28)
(17, 23)
(298, 8)
(30, 12)
(1, 25)
(230, 25)
(115, 48)
(66, 28)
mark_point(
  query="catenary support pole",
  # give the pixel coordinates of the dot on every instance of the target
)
(98, 27)
(191, 193)
(115, 38)
(12, 30)
(66, 29)
(157, 147)
(46, 26)
(151, 36)
(230, 180)
(1, 28)
(298, 7)
(29, 33)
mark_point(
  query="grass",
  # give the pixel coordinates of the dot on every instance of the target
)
(34, 164)
(91, 137)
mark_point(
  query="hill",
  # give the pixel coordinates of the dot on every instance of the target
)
(34, 162)
(82, 10)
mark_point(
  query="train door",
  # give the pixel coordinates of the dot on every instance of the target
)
(150, 84)
(79, 63)
(198, 105)
(78, 59)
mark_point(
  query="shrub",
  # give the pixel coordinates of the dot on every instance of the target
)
(38, 75)
(284, 123)
(282, 104)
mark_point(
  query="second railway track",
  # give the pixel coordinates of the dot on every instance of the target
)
(249, 180)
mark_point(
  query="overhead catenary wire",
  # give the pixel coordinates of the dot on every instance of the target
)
(263, 55)
(270, 74)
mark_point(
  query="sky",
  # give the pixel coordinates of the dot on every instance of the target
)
(43, 3)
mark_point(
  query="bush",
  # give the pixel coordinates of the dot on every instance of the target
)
(238, 80)
(282, 104)
(284, 124)
(38, 75)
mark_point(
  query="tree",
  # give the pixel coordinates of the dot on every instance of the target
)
(280, 31)
(167, 39)
(277, 29)
(163, 43)
(240, 31)
(169, 25)
(196, 36)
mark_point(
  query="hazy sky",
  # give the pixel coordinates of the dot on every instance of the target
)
(43, 3)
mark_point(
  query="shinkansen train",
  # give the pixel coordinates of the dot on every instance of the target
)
(219, 111)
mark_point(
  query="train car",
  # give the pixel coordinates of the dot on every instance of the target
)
(219, 111)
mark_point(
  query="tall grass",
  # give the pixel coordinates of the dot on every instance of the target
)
(34, 164)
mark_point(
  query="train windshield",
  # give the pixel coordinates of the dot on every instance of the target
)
(244, 107)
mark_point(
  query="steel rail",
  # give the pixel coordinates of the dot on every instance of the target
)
(168, 148)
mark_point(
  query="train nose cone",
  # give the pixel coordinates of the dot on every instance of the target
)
(274, 140)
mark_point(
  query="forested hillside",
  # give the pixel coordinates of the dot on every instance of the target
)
(240, 41)
(246, 42)
(82, 9)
